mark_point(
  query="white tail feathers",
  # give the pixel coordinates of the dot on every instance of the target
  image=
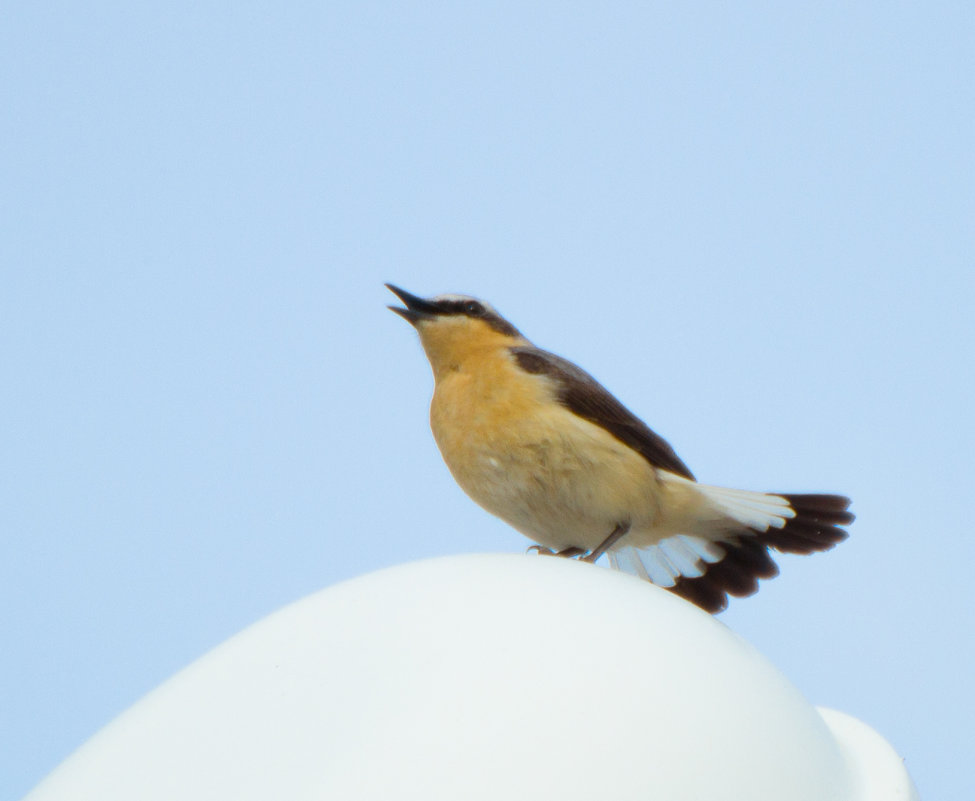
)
(665, 562)
(755, 510)
(720, 542)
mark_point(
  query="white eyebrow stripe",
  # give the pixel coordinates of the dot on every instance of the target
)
(449, 296)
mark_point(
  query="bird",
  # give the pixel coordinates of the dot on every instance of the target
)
(538, 442)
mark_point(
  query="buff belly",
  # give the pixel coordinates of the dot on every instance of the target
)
(557, 478)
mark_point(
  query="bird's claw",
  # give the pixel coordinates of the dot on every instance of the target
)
(566, 553)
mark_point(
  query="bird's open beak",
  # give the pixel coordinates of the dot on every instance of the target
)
(417, 308)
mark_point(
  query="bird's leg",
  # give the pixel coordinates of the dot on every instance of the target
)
(572, 551)
(615, 536)
(569, 552)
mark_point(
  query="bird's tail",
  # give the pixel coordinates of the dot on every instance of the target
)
(725, 547)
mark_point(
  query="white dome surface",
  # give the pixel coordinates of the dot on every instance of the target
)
(482, 677)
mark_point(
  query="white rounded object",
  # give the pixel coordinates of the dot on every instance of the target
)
(482, 677)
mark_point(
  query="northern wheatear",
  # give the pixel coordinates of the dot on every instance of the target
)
(541, 444)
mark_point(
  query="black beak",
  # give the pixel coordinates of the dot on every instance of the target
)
(416, 308)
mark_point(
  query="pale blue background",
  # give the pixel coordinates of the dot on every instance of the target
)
(753, 223)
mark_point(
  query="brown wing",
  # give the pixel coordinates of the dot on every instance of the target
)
(583, 395)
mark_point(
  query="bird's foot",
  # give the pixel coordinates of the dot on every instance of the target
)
(568, 553)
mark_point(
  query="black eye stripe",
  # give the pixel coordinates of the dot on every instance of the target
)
(468, 307)
(471, 308)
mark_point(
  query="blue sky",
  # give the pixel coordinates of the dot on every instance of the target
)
(753, 224)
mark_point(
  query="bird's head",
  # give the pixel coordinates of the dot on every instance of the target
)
(452, 328)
